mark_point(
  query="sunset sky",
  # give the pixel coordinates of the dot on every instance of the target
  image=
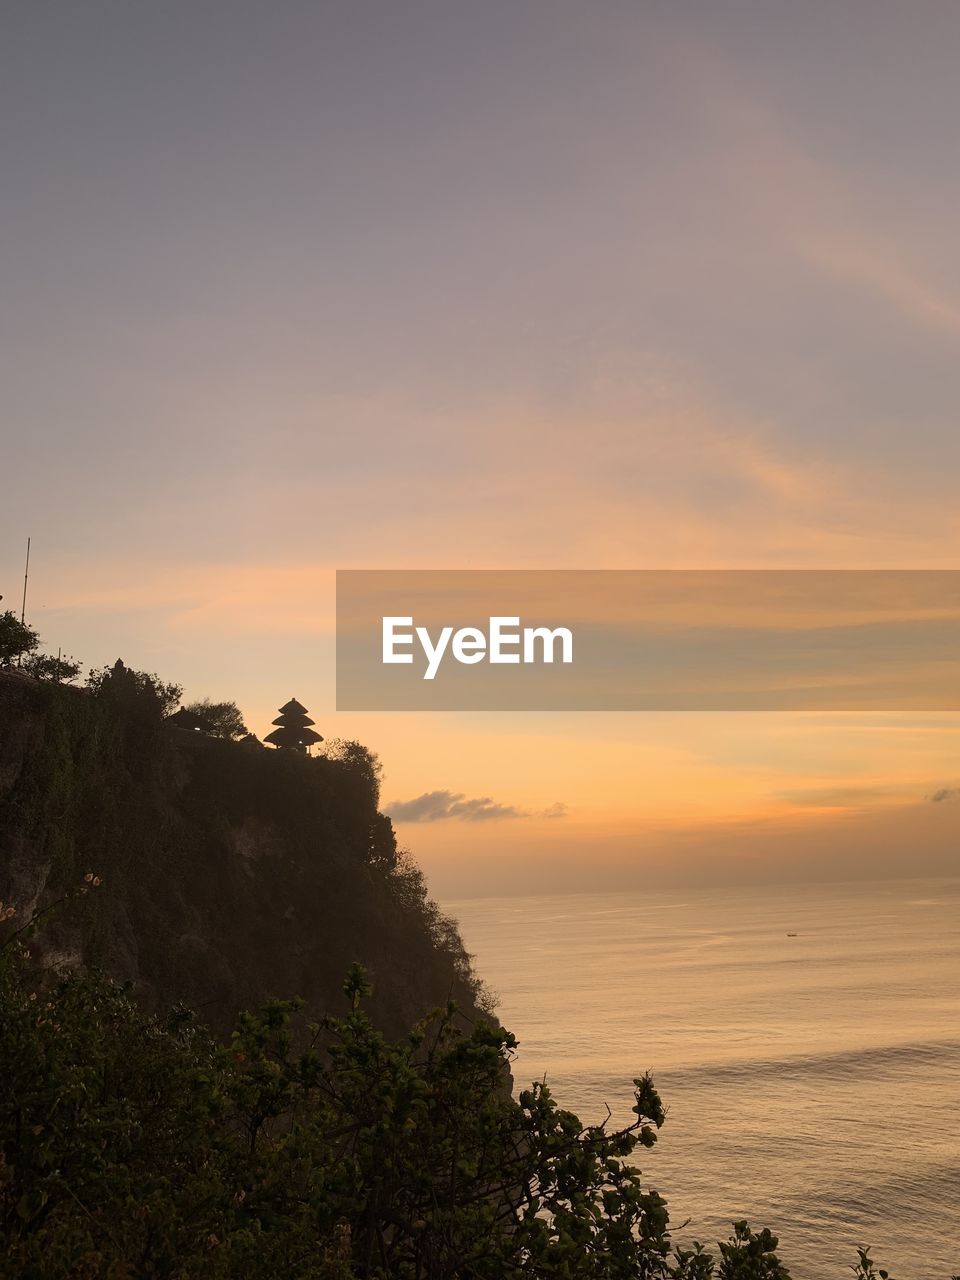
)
(291, 287)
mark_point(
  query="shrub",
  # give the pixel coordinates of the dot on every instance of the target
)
(136, 1145)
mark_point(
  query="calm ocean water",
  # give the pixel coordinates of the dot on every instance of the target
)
(812, 1081)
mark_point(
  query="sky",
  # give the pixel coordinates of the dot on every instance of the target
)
(291, 287)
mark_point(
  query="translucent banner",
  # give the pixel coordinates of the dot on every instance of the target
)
(633, 640)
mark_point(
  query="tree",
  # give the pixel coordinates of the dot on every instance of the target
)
(43, 666)
(16, 639)
(122, 685)
(20, 642)
(382, 843)
(222, 719)
(136, 1145)
(359, 760)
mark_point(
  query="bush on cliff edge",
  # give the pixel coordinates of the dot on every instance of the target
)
(134, 1145)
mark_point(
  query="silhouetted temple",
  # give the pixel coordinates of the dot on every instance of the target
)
(184, 719)
(294, 732)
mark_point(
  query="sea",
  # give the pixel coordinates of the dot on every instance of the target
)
(805, 1040)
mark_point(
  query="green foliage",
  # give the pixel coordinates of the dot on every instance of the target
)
(134, 690)
(138, 1146)
(222, 719)
(867, 1270)
(20, 643)
(134, 1145)
(751, 1255)
(358, 760)
(747, 1255)
(43, 666)
(15, 638)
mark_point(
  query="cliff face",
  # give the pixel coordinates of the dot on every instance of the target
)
(230, 874)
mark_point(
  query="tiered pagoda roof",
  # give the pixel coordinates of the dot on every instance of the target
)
(293, 732)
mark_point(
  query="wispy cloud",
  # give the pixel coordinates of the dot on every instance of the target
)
(944, 793)
(842, 796)
(437, 806)
(814, 207)
(883, 270)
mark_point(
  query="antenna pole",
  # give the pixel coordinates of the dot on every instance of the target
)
(26, 574)
(23, 607)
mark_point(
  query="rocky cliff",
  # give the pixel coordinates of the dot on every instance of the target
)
(229, 873)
